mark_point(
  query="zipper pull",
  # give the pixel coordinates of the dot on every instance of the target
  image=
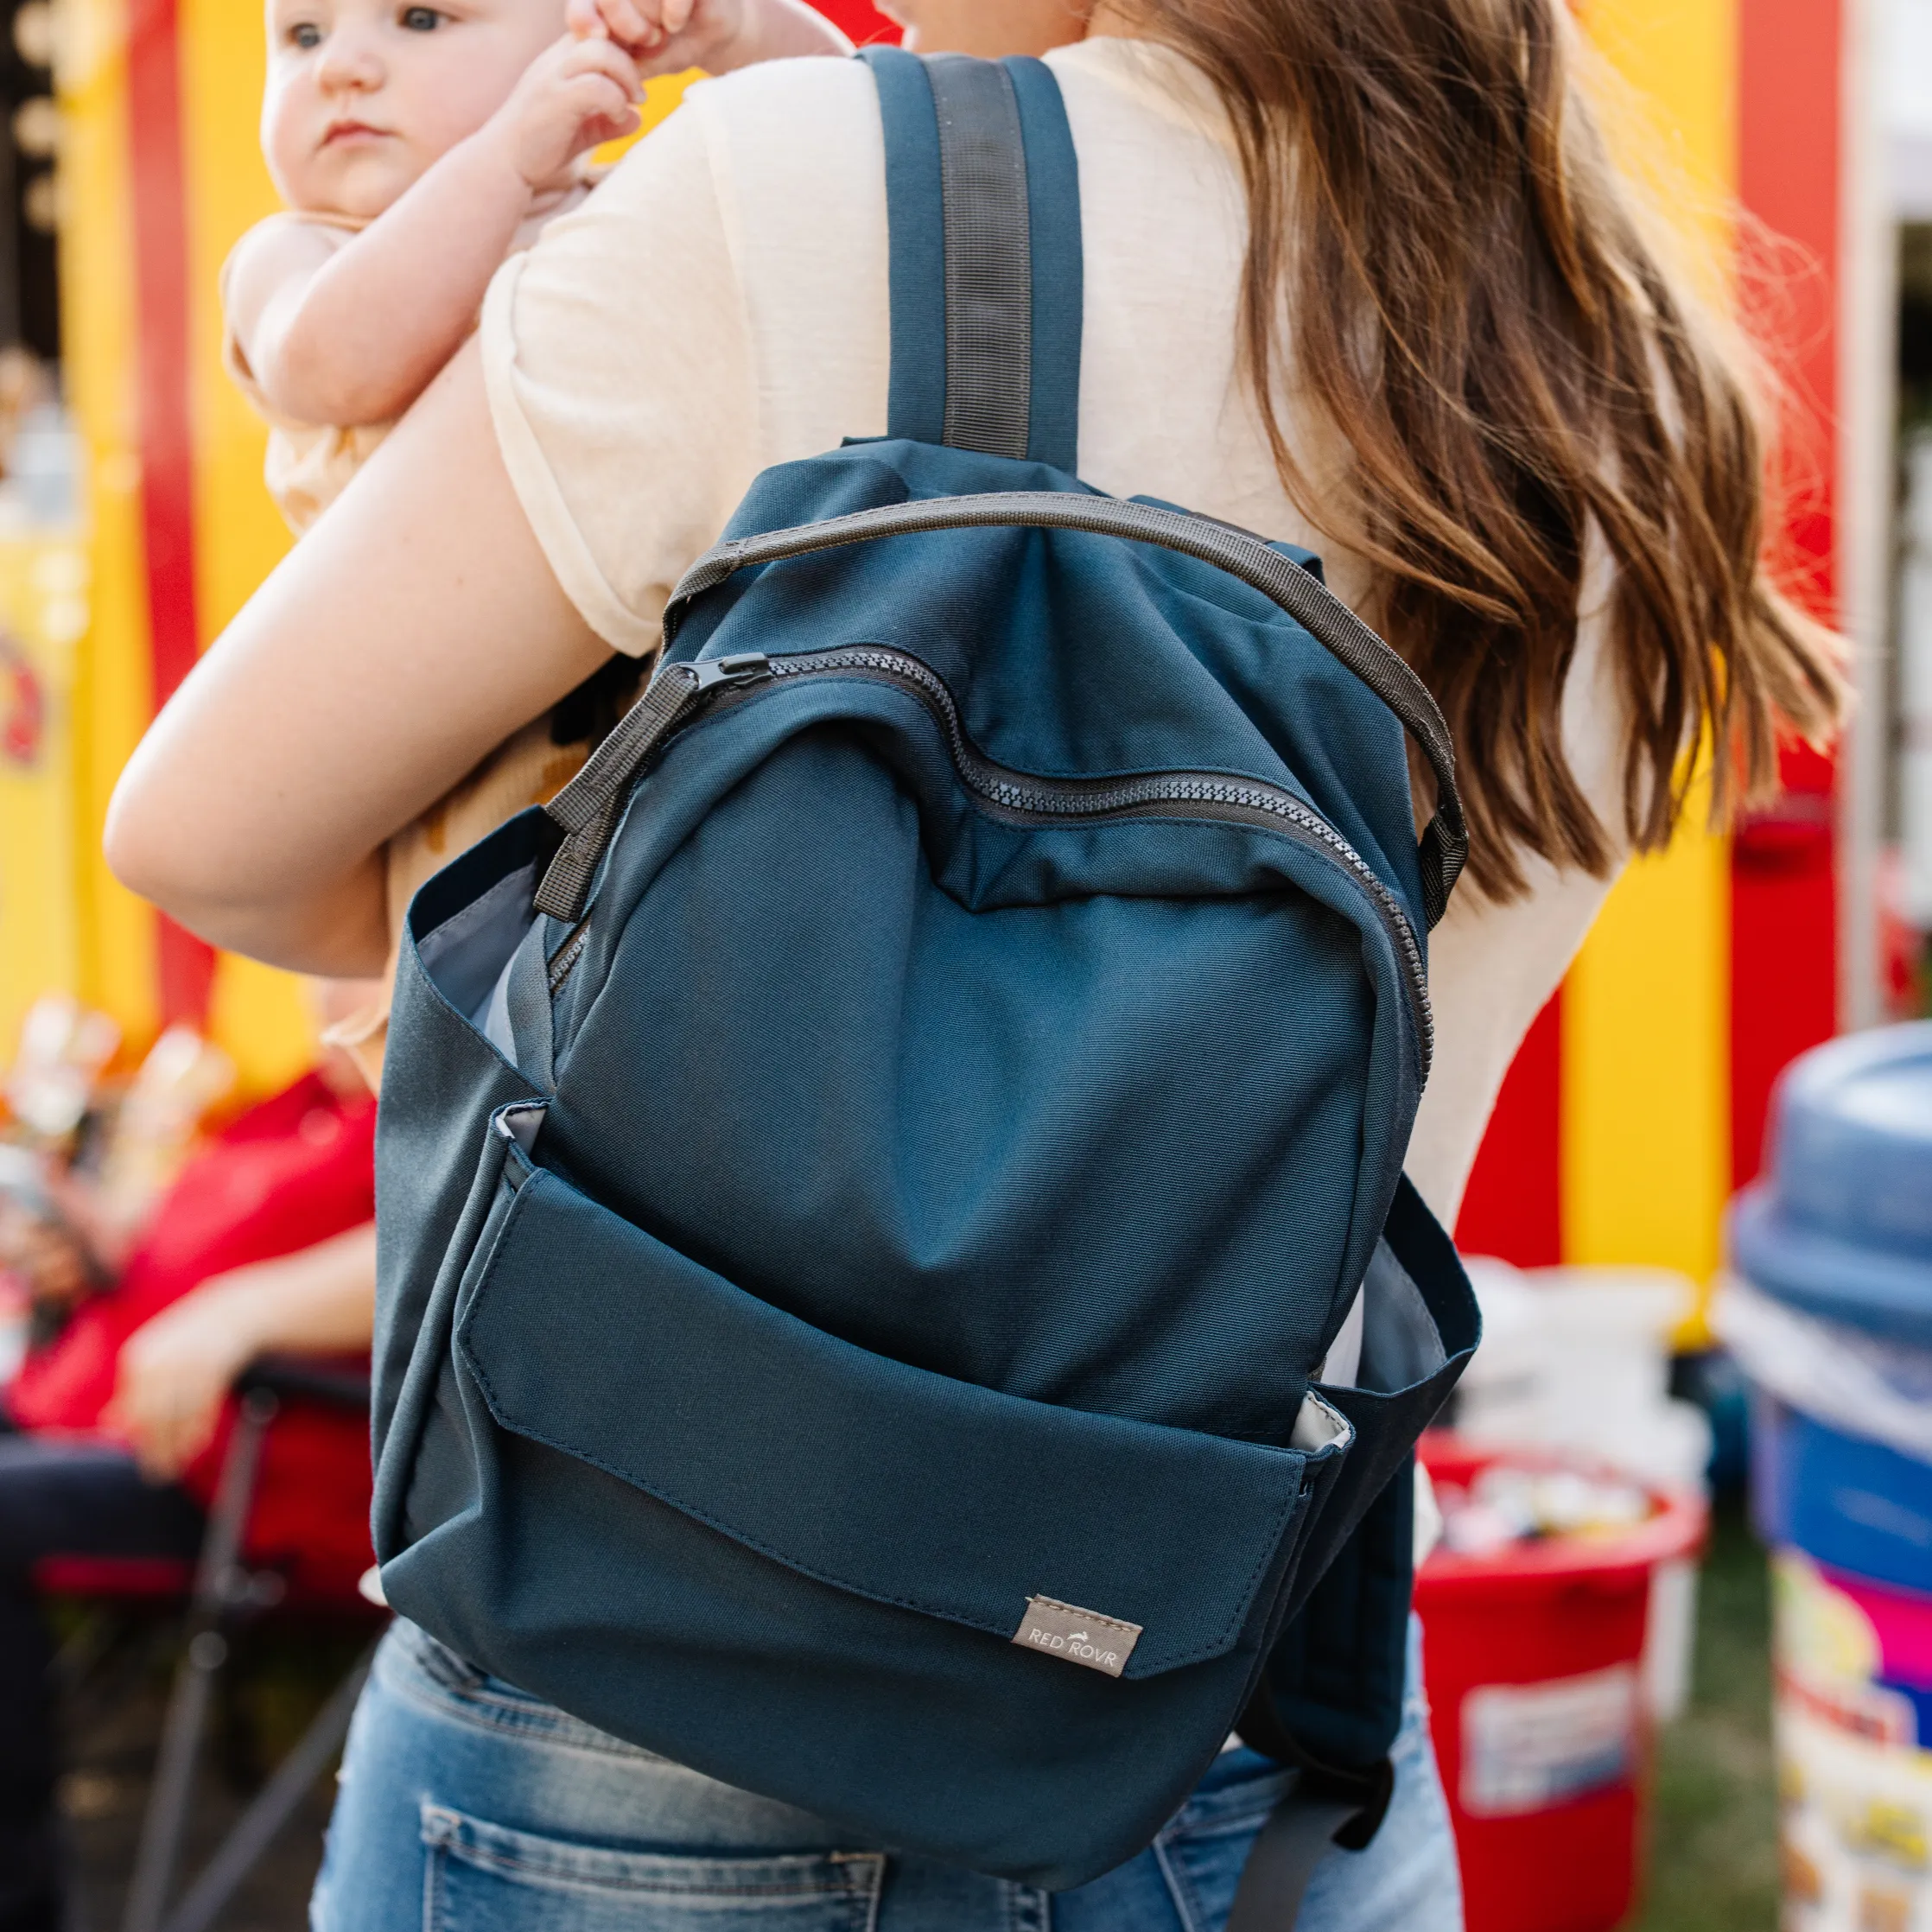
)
(586, 809)
(748, 667)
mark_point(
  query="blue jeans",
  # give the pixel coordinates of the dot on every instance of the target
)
(467, 1807)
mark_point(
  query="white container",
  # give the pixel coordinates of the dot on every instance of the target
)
(1579, 1359)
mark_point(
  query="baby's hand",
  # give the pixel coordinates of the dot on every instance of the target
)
(667, 36)
(574, 96)
(646, 29)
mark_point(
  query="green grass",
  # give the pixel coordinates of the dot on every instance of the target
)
(1713, 1857)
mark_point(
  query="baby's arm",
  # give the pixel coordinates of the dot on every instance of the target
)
(347, 329)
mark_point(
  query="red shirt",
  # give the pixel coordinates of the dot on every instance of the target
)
(290, 1173)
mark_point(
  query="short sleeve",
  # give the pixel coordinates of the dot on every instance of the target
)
(618, 362)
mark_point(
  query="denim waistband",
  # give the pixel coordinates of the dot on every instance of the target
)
(415, 1665)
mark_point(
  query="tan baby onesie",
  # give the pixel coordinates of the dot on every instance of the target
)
(308, 467)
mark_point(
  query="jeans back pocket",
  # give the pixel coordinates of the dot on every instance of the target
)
(486, 1878)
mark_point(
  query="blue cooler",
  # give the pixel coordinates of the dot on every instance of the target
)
(1840, 1228)
(1834, 1245)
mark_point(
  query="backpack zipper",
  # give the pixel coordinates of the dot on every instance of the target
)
(1028, 799)
(564, 959)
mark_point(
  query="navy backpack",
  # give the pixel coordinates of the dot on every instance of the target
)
(869, 1177)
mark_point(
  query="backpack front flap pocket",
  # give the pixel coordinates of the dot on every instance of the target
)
(913, 1605)
(1015, 1518)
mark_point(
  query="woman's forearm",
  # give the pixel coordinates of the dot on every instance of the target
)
(335, 932)
(175, 1368)
(411, 631)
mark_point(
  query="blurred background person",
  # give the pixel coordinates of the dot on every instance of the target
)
(113, 1425)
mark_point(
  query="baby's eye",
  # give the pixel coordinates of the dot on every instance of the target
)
(305, 34)
(421, 20)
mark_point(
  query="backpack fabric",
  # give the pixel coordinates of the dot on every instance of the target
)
(869, 1176)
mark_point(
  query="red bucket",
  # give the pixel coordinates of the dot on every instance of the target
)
(1535, 1664)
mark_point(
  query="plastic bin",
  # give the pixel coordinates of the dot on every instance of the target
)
(1538, 1662)
(1578, 1360)
(1834, 1324)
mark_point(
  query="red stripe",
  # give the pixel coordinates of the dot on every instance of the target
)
(1783, 910)
(1513, 1206)
(1783, 989)
(864, 23)
(185, 964)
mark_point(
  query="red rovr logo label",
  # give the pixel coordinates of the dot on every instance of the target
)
(1082, 1637)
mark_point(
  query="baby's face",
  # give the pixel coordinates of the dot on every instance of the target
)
(363, 95)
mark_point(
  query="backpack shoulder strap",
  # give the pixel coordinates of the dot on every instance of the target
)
(983, 198)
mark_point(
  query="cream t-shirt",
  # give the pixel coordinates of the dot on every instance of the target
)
(720, 305)
(307, 465)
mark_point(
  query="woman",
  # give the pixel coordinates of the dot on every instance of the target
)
(1358, 275)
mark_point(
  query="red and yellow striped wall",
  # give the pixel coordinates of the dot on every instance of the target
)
(161, 173)
(1638, 1100)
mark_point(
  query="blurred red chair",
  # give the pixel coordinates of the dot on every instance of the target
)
(285, 1482)
(245, 1568)
(293, 1419)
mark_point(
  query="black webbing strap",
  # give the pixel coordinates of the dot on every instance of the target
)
(1324, 1810)
(983, 202)
(1297, 1835)
(989, 289)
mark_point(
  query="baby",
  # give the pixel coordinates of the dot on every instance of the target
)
(416, 147)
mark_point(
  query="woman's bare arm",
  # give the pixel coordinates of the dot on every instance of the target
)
(412, 631)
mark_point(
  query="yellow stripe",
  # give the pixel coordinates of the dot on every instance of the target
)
(43, 620)
(259, 1015)
(1646, 1156)
(662, 99)
(1678, 62)
(239, 536)
(114, 955)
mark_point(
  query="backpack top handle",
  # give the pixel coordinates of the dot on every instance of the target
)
(1443, 846)
(983, 205)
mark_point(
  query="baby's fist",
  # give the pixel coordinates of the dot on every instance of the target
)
(574, 96)
(667, 36)
(644, 28)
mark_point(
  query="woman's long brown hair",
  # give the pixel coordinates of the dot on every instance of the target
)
(1449, 276)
